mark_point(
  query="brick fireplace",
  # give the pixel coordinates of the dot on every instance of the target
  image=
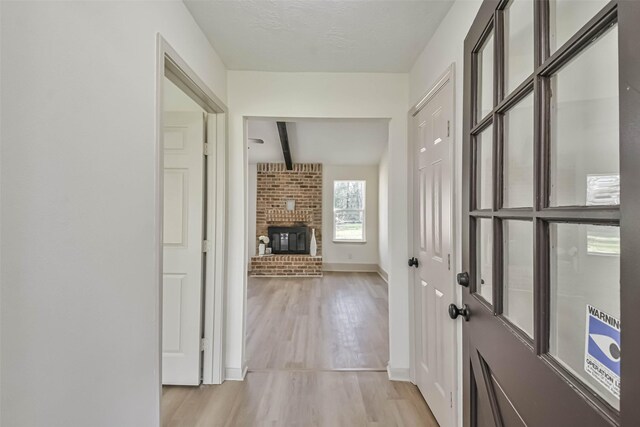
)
(275, 187)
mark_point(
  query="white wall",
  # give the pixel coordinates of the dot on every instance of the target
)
(80, 320)
(445, 48)
(343, 252)
(1, 238)
(252, 201)
(383, 212)
(320, 95)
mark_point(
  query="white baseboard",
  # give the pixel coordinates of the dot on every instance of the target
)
(350, 267)
(399, 374)
(284, 276)
(235, 374)
(383, 274)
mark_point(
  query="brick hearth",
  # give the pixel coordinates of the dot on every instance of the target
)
(286, 265)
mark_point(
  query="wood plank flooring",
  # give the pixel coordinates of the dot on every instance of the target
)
(298, 398)
(299, 332)
(336, 322)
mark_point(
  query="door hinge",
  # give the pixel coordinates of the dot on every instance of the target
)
(449, 261)
(451, 399)
(206, 246)
(205, 149)
(203, 344)
(448, 128)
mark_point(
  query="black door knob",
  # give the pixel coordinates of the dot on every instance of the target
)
(413, 262)
(454, 312)
(463, 279)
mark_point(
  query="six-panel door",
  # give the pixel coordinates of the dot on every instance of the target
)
(433, 287)
(182, 247)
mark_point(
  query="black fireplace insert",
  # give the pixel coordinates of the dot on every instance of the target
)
(289, 240)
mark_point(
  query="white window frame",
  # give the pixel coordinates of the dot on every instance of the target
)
(363, 210)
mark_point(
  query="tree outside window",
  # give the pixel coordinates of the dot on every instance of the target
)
(348, 211)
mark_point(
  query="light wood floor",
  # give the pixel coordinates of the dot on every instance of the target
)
(298, 398)
(299, 332)
(335, 322)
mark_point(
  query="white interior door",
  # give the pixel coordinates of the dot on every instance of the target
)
(184, 134)
(434, 288)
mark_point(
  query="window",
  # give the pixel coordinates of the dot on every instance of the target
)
(348, 211)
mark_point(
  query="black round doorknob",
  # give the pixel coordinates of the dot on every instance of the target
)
(454, 312)
(413, 262)
(463, 279)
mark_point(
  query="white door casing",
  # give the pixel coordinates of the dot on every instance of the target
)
(434, 288)
(183, 225)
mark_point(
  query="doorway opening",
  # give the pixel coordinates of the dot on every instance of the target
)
(317, 245)
(191, 205)
(184, 223)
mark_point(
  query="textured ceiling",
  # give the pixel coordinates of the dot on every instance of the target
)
(328, 141)
(319, 35)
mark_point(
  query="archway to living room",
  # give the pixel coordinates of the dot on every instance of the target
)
(317, 250)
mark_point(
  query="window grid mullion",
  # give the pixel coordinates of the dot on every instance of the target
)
(497, 160)
(541, 166)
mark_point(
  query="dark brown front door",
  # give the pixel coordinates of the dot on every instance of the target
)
(551, 215)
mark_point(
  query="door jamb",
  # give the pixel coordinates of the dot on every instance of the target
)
(447, 76)
(171, 65)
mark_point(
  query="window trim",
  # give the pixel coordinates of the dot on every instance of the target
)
(363, 210)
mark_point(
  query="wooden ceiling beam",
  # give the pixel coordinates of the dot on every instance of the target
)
(284, 141)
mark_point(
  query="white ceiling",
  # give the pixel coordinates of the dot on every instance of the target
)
(328, 141)
(319, 35)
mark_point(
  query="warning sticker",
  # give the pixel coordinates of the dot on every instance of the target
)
(602, 349)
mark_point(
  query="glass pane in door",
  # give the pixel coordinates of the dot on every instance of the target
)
(568, 16)
(518, 274)
(585, 167)
(585, 304)
(518, 29)
(484, 259)
(485, 78)
(518, 155)
(484, 169)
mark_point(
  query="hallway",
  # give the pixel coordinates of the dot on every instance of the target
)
(317, 351)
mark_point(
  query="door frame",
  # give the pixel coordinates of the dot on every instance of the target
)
(170, 64)
(448, 76)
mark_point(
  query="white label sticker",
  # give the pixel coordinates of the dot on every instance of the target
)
(602, 349)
